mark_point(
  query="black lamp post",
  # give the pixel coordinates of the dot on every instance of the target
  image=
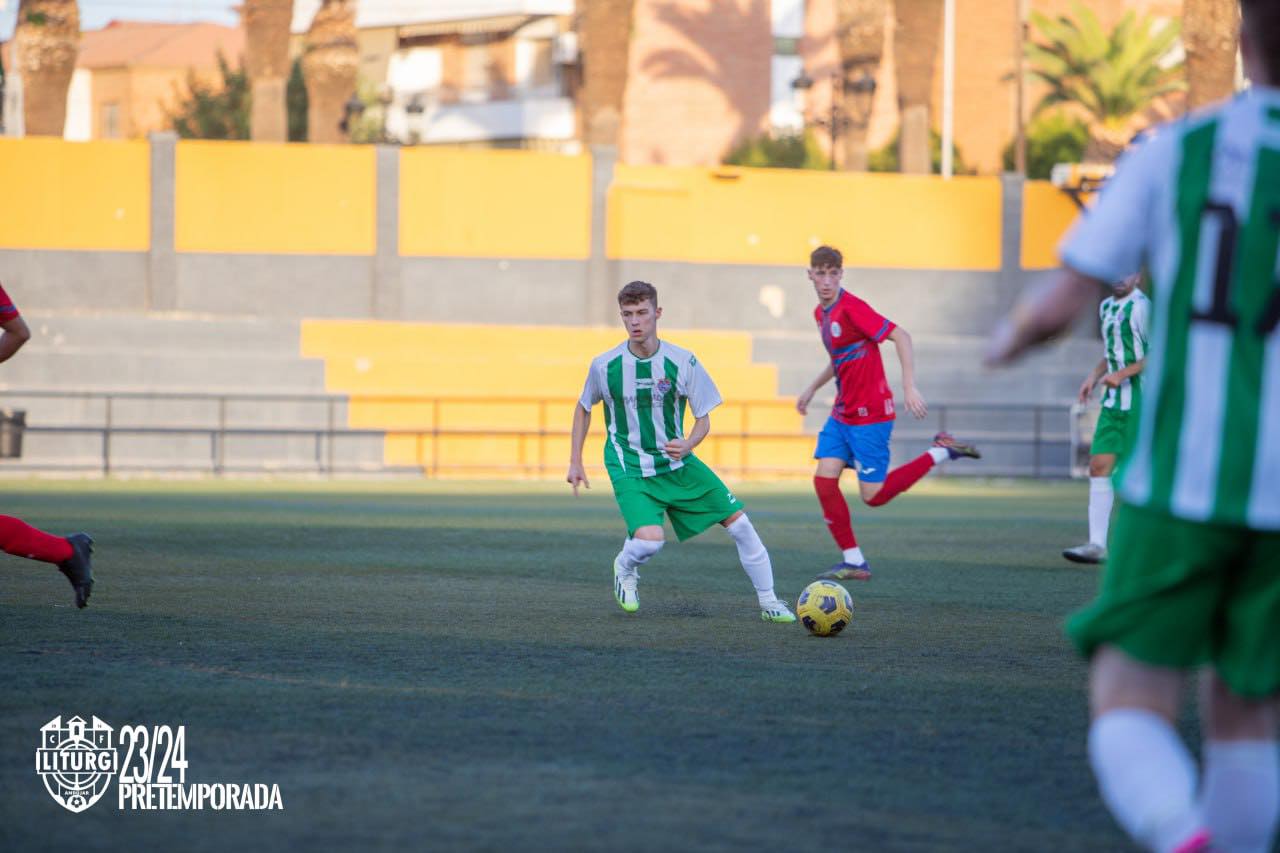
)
(864, 86)
(352, 109)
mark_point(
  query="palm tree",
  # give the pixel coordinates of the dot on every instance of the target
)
(1112, 77)
(860, 37)
(266, 27)
(329, 67)
(605, 29)
(45, 43)
(915, 50)
(1210, 34)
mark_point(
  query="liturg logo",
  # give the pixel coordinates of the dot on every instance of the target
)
(76, 760)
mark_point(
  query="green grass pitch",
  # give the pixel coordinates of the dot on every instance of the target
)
(442, 667)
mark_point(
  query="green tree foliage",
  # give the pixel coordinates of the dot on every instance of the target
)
(221, 111)
(295, 98)
(1053, 137)
(789, 151)
(886, 159)
(1112, 76)
(212, 111)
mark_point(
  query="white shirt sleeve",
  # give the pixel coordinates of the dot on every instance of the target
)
(591, 393)
(698, 387)
(1141, 320)
(1109, 240)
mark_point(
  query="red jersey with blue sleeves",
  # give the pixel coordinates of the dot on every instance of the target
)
(852, 332)
(7, 309)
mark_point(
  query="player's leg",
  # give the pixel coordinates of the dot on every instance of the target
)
(756, 563)
(1110, 438)
(834, 453)
(697, 499)
(1145, 773)
(878, 487)
(1101, 499)
(1241, 793)
(70, 554)
(1157, 615)
(645, 537)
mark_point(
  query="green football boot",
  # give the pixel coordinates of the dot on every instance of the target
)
(776, 612)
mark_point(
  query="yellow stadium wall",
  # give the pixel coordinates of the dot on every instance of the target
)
(75, 195)
(1047, 213)
(760, 216)
(245, 197)
(486, 204)
(255, 198)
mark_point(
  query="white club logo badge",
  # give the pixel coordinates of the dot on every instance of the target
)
(76, 760)
(835, 329)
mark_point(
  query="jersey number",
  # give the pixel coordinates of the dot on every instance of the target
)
(1224, 271)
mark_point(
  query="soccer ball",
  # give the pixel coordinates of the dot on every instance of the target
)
(825, 608)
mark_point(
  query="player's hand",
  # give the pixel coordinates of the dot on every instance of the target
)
(915, 403)
(1086, 389)
(802, 402)
(1112, 380)
(677, 448)
(577, 477)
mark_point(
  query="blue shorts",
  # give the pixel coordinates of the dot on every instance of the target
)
(864, 448)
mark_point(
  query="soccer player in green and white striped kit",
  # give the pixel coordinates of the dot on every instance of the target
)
(645, 385)
(1124, 315)
(1193, 577)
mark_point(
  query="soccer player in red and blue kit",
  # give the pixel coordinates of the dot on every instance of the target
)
(70, 554)
(857, 433)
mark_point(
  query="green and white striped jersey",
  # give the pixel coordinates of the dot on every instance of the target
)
(1124, 334)
(644, 404)
(1199, 206)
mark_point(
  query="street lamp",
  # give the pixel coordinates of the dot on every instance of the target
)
(863, 88)
(352, 109)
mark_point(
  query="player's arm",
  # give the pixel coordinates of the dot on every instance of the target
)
(1047, 312)
(907, 361)
(806, 396)
(678, 448)
(1113, 380)
(1086, 387)
(577, 475)
(16, 333)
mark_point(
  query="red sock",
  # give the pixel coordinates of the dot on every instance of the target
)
(835, 512)
(22, 540)
(902, 478)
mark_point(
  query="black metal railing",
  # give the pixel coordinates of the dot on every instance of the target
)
(1018, 440)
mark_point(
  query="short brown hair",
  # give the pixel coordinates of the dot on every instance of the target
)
(1262, 23)
(826, 256)
(638, 291)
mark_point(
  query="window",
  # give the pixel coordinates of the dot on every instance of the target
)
(111, 121)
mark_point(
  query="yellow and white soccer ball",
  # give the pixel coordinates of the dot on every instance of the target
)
(825, 608)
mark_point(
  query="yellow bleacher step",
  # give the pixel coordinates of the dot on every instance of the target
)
(483, 400)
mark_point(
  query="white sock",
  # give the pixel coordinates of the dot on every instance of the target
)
(1146, 776)
(1242, 794)
(939, 455)
(853, 556)
(754, 557)
(1101, 496)
(636, 552)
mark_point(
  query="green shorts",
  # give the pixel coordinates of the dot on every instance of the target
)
(692, 496)
(1180, 594)
(1111, 435)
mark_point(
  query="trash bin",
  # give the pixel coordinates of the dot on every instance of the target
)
(13, 422)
